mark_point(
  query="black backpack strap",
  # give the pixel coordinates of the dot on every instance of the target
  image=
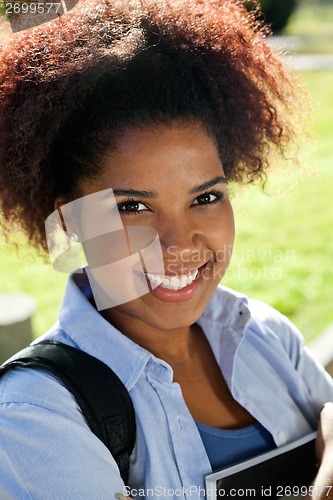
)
(102, 397)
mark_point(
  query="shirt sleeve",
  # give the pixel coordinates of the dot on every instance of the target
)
(47, 450)
(318, 383)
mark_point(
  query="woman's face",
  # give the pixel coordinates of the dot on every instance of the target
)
(175, 184)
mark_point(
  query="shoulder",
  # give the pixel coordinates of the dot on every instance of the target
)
(255, 321)
(41, 424)
(228, 304)
(39, 389)
(268, 322)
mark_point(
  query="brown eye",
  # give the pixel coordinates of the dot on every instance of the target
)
(208, 198)
(205, 198)
(131, 207)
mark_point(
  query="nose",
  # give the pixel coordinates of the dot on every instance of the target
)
(182, 242)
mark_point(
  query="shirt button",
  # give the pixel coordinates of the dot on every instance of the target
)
(282, 437)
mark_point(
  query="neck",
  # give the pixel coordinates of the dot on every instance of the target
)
(173, 346)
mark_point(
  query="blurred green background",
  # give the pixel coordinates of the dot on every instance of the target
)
(284, 245)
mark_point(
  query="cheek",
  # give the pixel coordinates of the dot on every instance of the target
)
(222, 231)
(222, 237)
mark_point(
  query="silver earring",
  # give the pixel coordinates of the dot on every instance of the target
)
(74, 237)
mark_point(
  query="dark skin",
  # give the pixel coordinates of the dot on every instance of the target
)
(204, 388)
(171, 161)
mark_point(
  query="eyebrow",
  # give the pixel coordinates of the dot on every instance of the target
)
(134, 192)
(208, 184)
(152, 194)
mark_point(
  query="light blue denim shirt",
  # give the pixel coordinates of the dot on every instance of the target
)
(48, 452)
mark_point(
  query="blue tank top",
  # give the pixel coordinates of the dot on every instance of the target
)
(226, 447)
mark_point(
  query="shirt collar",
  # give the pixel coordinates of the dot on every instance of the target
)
(92, 333)
(223, 322)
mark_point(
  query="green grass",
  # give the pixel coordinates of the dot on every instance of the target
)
(312, 18)
(284, 245)
(312, 22)
(21, 270)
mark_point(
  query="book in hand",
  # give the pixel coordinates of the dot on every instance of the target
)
(284, 472)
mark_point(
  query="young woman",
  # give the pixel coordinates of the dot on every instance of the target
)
(164, 103)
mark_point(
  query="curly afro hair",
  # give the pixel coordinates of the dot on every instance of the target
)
(69, 87)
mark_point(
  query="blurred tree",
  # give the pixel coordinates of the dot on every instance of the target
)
(276, 12)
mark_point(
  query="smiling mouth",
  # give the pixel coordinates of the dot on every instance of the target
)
(173, 282)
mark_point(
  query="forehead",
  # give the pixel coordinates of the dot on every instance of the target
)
(160, 153)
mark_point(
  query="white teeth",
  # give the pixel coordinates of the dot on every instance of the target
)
(183, 281)
(173, 282)
(157, 280)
